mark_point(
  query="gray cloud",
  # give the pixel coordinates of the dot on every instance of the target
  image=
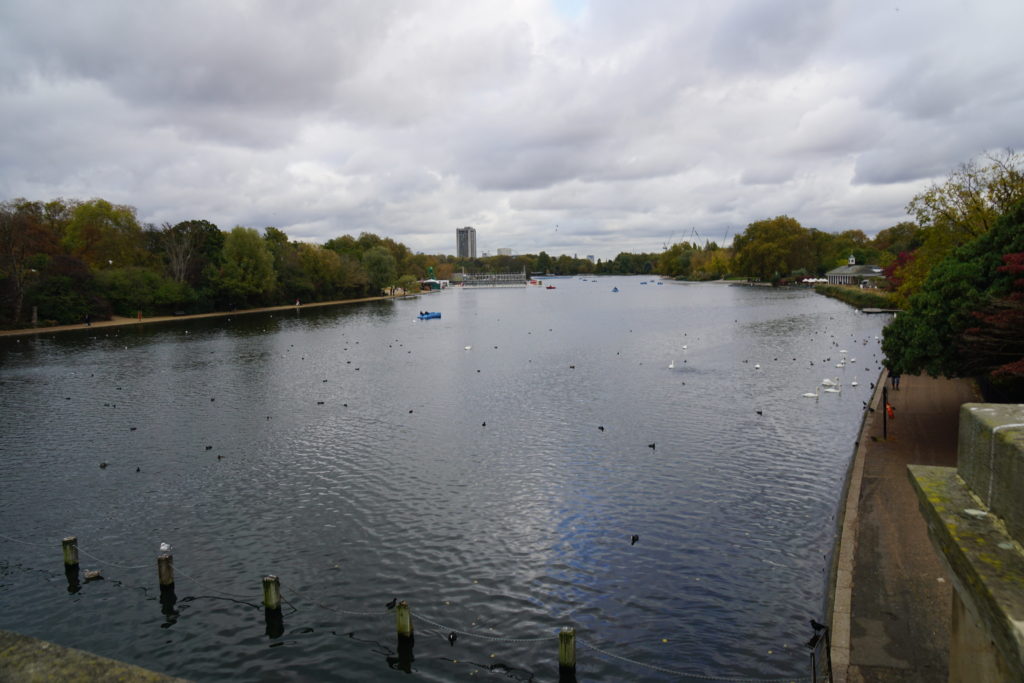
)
(627, 125)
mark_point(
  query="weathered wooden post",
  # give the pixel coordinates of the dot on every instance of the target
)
(70, 547)
(272, 606)
(165, 570)
(403, 620)
(165, 573)
(271, 592)
(403, 623)
(567, 654)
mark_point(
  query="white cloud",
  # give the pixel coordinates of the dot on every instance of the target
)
(627, 125)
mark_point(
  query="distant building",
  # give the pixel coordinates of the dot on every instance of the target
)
(852, 274)
(465, 242)
(590, 257)
(504, 251)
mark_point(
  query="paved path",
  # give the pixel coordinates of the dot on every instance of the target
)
(118, 321)
(891, 616)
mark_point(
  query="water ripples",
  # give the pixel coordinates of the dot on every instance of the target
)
(361, 454)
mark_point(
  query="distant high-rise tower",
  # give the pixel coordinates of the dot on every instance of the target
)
(465, 242)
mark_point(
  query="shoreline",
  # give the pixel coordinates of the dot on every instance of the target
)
(120, 321)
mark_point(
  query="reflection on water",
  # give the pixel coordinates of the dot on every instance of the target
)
(362, 454)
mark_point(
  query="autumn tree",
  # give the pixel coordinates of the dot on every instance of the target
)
(963, 208)
(966, 318)
(104, 235)
(26, 240)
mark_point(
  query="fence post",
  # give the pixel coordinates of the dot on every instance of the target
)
(403, 620)
(271, 592)
(70, 547)
(403, 624)
(567, 654)
(272, 606)
(165, 571)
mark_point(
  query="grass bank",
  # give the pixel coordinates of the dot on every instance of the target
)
(857, 297)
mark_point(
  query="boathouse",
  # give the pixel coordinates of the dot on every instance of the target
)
(851, 274)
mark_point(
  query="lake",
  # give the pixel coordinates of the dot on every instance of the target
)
(489, 467)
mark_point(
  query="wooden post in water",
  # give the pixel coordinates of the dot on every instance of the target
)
(403, 623)
(272, 606)
(70, 547)
(403, 620)
(165, 570)
(567, 654)
(271, 592)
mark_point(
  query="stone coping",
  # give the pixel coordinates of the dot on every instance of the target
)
(985, 563)
(30, 660)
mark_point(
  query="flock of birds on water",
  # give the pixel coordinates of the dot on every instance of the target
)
(828, 385)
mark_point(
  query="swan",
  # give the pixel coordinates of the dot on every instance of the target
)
(672, 365)
(685, 347)
(853, 383)
(810, 394)
(829, 382)
(757, 366)
(837, 389)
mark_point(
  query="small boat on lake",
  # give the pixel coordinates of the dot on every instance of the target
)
(550, 287)
(430, 315)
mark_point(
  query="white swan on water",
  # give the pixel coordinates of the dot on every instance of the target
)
(829, 382)
(672, 365)
(810, 394)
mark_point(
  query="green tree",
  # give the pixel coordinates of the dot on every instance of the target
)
(409, 284)
(322, 269)
(247, 272)
(772, 248)
(937, 334)
(133, 289)
(380, 269)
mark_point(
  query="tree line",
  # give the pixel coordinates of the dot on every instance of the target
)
(957, 269)
(69, 260)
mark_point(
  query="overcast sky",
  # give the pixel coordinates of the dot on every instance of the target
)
(571, 126)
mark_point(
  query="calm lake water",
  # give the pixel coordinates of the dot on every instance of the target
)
(361, 454)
